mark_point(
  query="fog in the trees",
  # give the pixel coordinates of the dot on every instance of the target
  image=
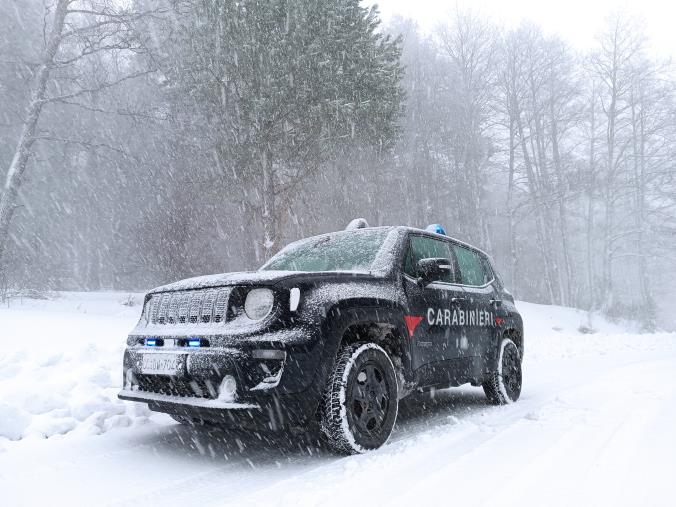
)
(146, 141)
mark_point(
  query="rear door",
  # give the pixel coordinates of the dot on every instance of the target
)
(478, 313)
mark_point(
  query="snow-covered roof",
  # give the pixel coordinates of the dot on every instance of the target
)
(441, 236)
(382, 264)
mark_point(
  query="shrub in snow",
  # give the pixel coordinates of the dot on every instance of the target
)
(129, 301)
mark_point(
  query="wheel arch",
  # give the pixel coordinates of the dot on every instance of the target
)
(516, 336)
(375, 320)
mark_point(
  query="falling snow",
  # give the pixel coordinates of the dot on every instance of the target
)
(150, 143)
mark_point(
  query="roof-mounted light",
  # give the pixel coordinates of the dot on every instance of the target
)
(435, 228)
(357, 223)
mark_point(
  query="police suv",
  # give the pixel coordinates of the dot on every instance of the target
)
(334, 329)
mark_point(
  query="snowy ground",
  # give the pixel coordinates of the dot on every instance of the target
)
(596, 425)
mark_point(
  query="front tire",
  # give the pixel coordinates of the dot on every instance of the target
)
(504, 385)
(360, 403)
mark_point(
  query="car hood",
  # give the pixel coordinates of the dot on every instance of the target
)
(258, 278)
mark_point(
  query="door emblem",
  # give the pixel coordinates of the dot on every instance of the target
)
(412, 322)
(461, 317)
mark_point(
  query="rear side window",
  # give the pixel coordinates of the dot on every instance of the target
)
(422, 247)
(470, 265)
(488, 270)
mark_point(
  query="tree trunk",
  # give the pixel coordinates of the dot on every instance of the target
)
(269, 213)
(510, 208)
(590, 204)
(639, 139)
(606, 272)
(561, 193)
(24, 146)
(538, 214)
(539, 176)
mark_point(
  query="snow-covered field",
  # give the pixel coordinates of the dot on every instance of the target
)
(596, 425)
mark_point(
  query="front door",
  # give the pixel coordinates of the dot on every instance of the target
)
(435, 340)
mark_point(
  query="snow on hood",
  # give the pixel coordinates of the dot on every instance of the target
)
(224, 279)
(245, 277)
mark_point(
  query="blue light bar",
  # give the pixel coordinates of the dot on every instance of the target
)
(436, 228)
(151, 342)
(194, 343)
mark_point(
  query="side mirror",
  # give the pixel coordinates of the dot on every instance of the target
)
(432, 269)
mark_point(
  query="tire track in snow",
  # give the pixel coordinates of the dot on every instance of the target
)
(464, 454)
(457, 433)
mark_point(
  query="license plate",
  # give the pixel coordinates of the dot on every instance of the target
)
(161, 364)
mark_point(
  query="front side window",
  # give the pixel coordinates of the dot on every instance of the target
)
(422, 247)
(469, 263)
(341, 251)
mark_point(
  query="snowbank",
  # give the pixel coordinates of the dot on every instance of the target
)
(560, 332)
(594, 426)
(60, 366)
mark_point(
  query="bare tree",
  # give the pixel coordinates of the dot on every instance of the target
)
(613, 66)
(561, 165)
(22, 153)
(511, 92)
(470, 43)
(77, 30)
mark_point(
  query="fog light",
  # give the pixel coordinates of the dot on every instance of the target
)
(129, 380)
(227, 389)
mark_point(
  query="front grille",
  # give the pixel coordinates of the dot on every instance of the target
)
(173, 386)
(196, 306)
(207, 310)
(183, 305)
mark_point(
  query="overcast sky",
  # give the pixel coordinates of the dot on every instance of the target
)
(577, 21)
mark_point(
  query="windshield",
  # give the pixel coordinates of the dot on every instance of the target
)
(341, 251)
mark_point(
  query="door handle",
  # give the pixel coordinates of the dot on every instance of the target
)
(496, 302)
(455, 301)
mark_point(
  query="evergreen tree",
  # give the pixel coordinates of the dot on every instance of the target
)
(285, 87)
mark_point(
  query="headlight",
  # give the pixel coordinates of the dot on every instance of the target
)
(258, 303)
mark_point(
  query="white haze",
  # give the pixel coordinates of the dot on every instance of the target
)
(577, 21)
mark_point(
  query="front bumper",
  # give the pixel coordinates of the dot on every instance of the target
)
(276, 379)
(129, 395)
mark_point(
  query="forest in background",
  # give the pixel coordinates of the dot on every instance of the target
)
(159, 139)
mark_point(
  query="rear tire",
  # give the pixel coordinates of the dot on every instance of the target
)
(504, 385)
(360, 403)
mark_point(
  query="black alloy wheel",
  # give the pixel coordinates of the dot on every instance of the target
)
(503, 385)
(360, 403)
(511, 371)
(370, 399)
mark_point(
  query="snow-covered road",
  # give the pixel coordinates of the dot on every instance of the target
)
(595, 426)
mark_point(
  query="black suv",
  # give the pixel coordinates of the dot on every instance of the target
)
(334, 329)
